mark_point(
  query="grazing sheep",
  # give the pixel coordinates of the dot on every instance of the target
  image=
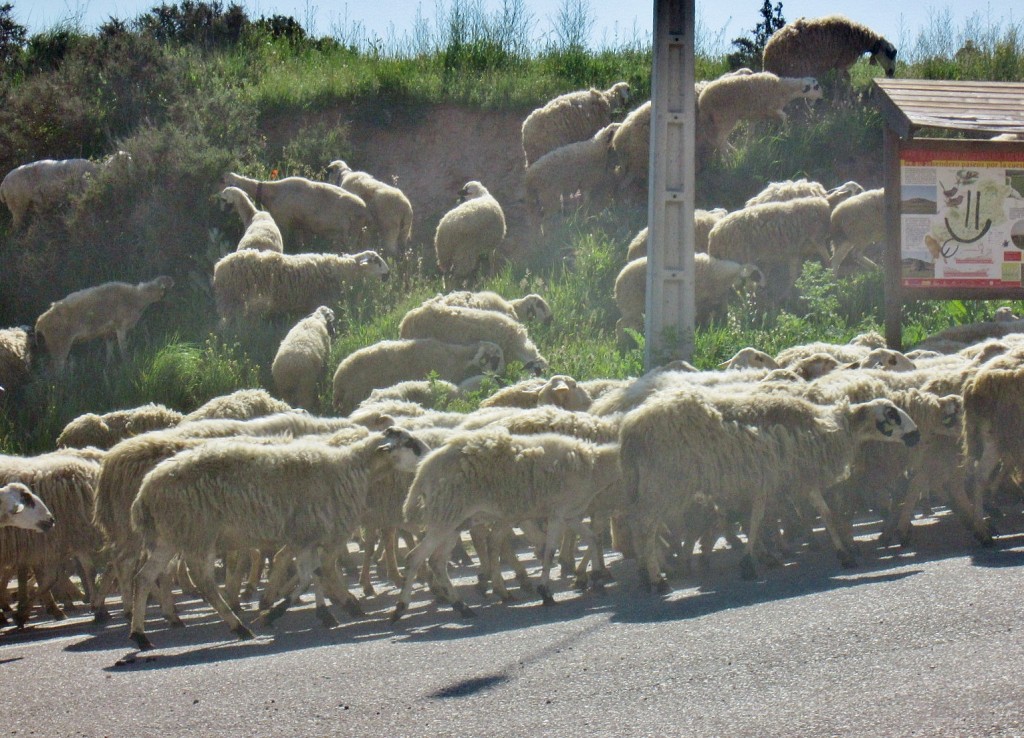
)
(387, 362)
(47, 183)
(233, 494)
(238, 405)
(469, 232)
(750, 358)
(816, 46)
(776, 236)
(447, 322)
(743, 449)
(560, 390)
(492, 474)
(301, 358)
(958, 337)
(703, 222)
(857, 223)
(107, 311)
(388, 205)
(103, 431)
(15, 356)
(728, 100)
(21, 508)
(632, 145)
(792, 189)
(713, 279)
(66, 484)
(574, 116)
(265, 283)
(532, 307)
(261, 232)
(427, 393)
(585, 166)
(317, 208)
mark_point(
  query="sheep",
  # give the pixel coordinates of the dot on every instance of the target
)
(444, 322)
(301, 358)
(492, 474)
(302, 494)
(46, 183)
(750, 358)
(261, 231)
(958, 337)
(67, 485)
(728, 100)
(560, 390)
(574, 116)
(857, 223)
(816, 46)
(22, 508)
(252, 283)
(386, 362)
(844, 353)
(238, 405)
(742, 448)
(776, 236)
(884, 359)
(16, 346)
(103, 431)
(107, 311)
(792, 189)
(469, 232)
(713, 284)
(632, 143)
(532, 307)
(389, 207)
(703, 221)
(424, 392)
(586, 166)
(314, 207)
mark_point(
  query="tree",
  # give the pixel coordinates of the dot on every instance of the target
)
(749, 50)
(12, 37)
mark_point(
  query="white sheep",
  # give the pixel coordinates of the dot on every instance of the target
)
(713, 279)
(318, 208)
(466, 325)
(857, 223)
(777, 237)
(586, 167)
(469, 232)
(494, 475)
(47, 183)
(958, 337)
(816, 46)
(726, 101)
(301, 358)
(791, 189)
(233, 494)
(532, 307)
(424, 392)
(388, 205)
(107, 311)
(571, 117)
(260, 229)
(738, 449)
(387, 362)
(750, 358)
(632, 145)
(844, 353)
(22, 508)
(703, 222)
(16, 346)
(254, 283)
(560, 390)
(241, 404)
(103, 431)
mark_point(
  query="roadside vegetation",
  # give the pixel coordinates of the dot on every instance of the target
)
(195, 89)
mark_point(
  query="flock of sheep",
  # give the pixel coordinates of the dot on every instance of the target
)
(667, 464)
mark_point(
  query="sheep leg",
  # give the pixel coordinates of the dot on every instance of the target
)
(391, 556)
(333, 579)
(280, 573)
(846, 557)
(496, 543)
(433, 540)
(555, 528)
(104, 586)
(370, 539)
(233, 568)
(305, 566)
(567, 554)
(252, 583)
(156, 564)
(201, 571)
(982, 476)
(479, 535)
(900, 528)
(593, 556)
(965, 510)
(748, 567)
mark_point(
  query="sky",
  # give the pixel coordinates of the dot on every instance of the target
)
(614, 20)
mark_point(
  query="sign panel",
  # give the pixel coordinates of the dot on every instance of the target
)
(961, 216)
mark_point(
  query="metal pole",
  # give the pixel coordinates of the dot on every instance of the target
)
(669, 321)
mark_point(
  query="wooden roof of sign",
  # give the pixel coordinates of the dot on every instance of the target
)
(983, 107)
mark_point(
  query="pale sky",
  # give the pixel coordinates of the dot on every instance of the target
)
(613, 19)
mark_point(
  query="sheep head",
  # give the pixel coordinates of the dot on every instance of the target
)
(20, 508)
(405, 449)
(487, 359)
(472, 190)
(882, 417)
(371, 263)
(883, 54)
(336, 171)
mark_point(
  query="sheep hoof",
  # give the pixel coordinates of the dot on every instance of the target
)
(663, 587)
(463, 609)
(597, 585)
(399, 610)
(482, 585)
(507, 597)
(243, 633)
(274, 613)
(747, 569)
(142, 642)
(175, 622)
(369, 591)
(353, 609)
(545, 595)
(847, 561)
(101, 616)
(566, 570)
(326, 618)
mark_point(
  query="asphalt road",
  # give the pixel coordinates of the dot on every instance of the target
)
(925, 642)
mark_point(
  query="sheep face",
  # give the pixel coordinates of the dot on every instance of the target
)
(472, 190)
(810, 89)
(750, 358)
(336, 171)
(20, 508)
(488, 359)
(406, 450)
(371, 264)
(891, 422)
(329, 320)
(536, 308)
(883, 54)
